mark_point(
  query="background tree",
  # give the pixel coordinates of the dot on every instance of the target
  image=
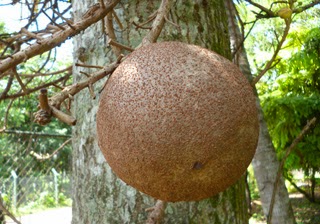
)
(262, 41)
(265, 163)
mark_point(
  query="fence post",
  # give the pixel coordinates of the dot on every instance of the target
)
(14, 195)
(55, 180)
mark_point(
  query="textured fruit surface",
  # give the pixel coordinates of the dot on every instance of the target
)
(177, 122)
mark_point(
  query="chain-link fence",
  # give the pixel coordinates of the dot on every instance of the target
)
(35, 170)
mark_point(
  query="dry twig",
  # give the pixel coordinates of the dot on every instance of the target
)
(93, 15)
(110, 32)
(44, 114)
(158, 23)
(120, 46)
(48, 156)
(88, 66)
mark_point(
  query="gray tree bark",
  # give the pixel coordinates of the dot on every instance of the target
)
(98, 195)
(265, 163)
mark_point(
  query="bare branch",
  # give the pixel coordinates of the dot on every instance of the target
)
(23, 87)
(158, 23)
(172, 23)
(88, 66)
(19, 94)
(5, 121)
(110, 32)
(30, 34)
(305, 7)
(43, 116)
(141, 27)
(120, 46)
(150, 18)
(31, 133)
(269, 64)
(77, 87)
(67, 69)
(91, 91)
(65, 118)
(93, 15)
(47, 156)
(68, 21)
(117, 19)
(8, 87)
(58, 25)
(268, 12)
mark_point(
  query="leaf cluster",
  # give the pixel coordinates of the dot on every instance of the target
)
(293, 98)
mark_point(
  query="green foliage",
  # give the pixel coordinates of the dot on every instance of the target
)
(290, 91)
(252, 182)
(293, 98)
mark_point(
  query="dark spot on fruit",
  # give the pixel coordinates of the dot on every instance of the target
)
(197, 165)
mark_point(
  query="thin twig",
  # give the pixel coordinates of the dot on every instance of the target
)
(23, 87)
(88, 66)
(5, 121)
(43, 116)
(141, 27)
(91, 91)
(92, 16)
(19, 94)
(117, 19)
(305, 7)
(47, 156)
(57, 99)
(69, 69)
(287, 153)
(172, 23)
(68, 21)
(268, 12)
(84, 73)
(150, 18)
(275, 54)
(8, 87)
(120, 46)
(30, 34)
(158, 23)
(111, 34)
(58, 25)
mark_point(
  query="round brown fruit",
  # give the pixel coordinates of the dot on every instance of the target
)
(177, 122)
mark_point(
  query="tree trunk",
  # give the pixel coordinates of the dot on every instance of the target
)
(265, 163)
(98, 195)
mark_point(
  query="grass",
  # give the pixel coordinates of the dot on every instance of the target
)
(304, 211)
